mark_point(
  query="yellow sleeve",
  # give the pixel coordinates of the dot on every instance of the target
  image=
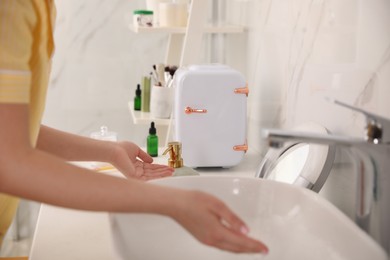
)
(17, 25)
(8, 207)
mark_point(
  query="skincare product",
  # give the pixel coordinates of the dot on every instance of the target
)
(143, 18)
(152, 141)
(145, 94)
(176, 161)
(154, 6)
(137, 98)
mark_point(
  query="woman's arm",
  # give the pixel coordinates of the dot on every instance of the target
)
(36, 175)
(72, 147)
(127, 157)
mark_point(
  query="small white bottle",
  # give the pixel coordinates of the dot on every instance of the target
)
(104, 134)
(176, 161)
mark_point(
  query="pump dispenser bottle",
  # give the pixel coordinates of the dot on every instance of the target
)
(137, 98)
(152, 141)
(176, 161)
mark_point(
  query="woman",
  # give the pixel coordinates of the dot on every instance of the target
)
(33, 158)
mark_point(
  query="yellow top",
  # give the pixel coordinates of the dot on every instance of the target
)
(26, 46)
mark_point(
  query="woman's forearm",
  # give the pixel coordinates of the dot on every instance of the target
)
(39, 176)
(72, 147)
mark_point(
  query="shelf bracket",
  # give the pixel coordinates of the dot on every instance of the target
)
(193, 37)
(175, 44)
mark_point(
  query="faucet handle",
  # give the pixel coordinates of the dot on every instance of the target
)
(375, 124)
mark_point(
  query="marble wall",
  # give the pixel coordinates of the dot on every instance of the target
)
(97, 64)
(302, 51)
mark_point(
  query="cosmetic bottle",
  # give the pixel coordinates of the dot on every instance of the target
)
(142, 18)
(137, 98)
(176, 161)
(152, 141)
(104, 134)
(145, 94)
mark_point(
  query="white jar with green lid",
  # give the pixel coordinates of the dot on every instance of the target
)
(143, 18)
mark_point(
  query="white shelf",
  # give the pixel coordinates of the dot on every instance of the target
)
(145, 117)
(182, 30)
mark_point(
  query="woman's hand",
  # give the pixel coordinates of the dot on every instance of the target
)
(211, 222)
(133, 162)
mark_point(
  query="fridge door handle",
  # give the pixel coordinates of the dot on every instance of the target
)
(190, 110)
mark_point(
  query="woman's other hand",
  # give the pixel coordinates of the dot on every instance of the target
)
(211, 222)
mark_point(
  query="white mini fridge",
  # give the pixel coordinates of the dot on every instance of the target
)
(210, 115)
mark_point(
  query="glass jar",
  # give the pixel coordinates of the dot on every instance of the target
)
(143, 18)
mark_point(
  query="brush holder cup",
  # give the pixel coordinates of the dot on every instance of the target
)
(161, 100)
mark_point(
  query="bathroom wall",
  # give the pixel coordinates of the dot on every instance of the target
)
(300, 52)
(96, 66)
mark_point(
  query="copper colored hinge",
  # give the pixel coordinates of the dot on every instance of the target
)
(240, 148)
(244, 90)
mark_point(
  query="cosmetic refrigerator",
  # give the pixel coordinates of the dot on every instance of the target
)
(210, 115)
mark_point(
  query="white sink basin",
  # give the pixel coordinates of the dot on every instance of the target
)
(293, 222)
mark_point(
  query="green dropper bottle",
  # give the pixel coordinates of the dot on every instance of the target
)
(152, 141)
(137, 98)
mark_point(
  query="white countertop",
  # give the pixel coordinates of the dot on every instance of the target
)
(64, 234)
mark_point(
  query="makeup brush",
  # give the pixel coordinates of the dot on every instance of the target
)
(160, 68)
(172, 70)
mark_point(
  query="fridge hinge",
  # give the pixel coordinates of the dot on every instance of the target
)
(239, 148)
(244, 90)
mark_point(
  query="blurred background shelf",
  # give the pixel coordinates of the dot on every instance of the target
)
(145, 117)
(182, 30)
(184, 42)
